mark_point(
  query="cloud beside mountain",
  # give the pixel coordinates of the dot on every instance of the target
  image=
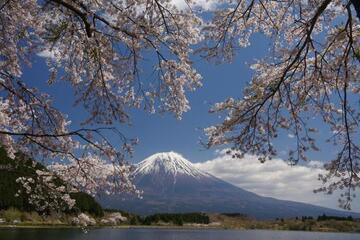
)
(275, 178)
(171, 183)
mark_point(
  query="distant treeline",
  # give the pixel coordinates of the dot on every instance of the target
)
(235, 215)
(324, 218)
(176, 218)
(170, 218)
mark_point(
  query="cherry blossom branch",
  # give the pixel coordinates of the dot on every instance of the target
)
(307, 76)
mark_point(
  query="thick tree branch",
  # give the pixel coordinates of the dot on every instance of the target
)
(81, 14)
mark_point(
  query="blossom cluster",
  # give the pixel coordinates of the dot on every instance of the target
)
(312, 72)
(44, 193)
(98, 47)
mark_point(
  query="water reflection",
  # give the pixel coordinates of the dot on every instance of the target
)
(167, 234)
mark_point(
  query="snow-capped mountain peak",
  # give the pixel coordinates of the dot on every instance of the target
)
(171, 163)
(170, 183)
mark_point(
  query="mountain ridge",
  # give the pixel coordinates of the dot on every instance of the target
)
(171, 183)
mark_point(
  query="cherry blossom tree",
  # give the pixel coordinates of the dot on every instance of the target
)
(312, 72)
(97, 46)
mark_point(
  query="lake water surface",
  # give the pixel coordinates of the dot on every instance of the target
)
(167, 234)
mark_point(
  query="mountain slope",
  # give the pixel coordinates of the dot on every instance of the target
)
(172, 184)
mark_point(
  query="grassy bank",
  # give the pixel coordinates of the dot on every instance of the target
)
(14, 218)
(296, 224)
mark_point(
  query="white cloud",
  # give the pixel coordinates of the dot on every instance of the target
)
(274, 178)
(203, 4)
(291, 135)
(47, 53)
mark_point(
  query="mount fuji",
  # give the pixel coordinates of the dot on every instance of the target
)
(170, 183)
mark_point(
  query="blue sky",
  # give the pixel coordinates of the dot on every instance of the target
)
(163, 132)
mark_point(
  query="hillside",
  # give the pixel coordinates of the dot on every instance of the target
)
(10, 170)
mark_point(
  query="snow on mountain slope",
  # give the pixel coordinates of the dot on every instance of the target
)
(170, 163)
(170, 183)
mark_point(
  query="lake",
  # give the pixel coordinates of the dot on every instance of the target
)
(167, 234)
